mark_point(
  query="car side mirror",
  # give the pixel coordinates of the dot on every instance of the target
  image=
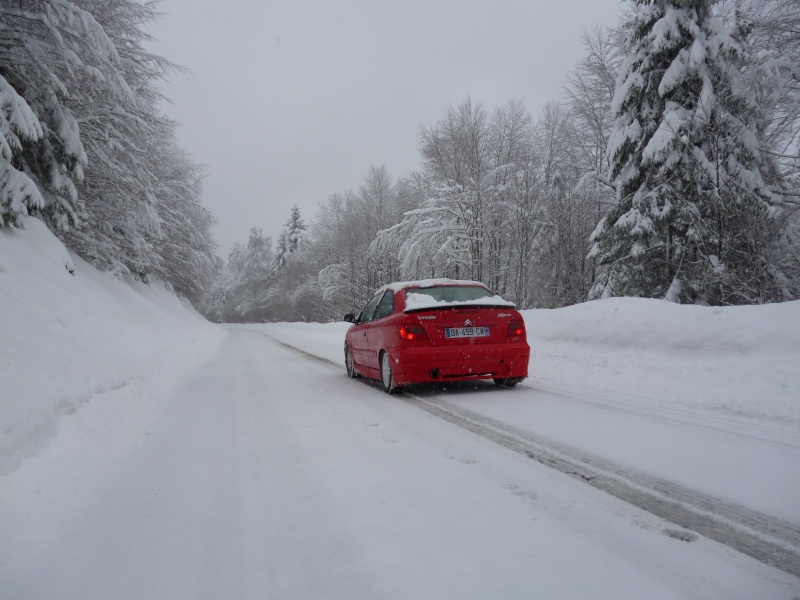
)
(350, 318)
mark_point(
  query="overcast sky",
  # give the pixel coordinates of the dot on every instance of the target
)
(290, 101)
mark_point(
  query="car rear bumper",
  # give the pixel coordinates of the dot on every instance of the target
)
(484, 361)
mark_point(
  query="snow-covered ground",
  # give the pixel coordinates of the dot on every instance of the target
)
(706, 397)
(148, 454)
(70, 339)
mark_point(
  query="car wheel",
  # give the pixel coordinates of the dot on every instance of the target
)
(348, 362)
(387, 377)
(508, 382)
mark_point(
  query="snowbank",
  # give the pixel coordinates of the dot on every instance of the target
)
(73, 335)
(735, 360)
(638, 323)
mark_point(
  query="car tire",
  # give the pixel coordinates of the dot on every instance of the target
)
(508, 382)
(348, 363)
(387, 377)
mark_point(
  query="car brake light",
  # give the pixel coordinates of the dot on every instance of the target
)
(412, 331)
(516, 328)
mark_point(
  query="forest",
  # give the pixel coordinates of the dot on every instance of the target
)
(667, 167)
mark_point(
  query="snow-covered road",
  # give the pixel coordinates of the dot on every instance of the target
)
(267, 474)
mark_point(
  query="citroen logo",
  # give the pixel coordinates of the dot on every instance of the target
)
(467, 323)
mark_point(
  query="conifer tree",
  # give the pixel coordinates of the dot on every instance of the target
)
(281, 251)
(295, 229)
(49, 52)
(692, 220)
(84, 147)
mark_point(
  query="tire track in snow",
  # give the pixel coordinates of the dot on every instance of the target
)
(768, 540)
(771, 432)
(303, 353)
(764, 538)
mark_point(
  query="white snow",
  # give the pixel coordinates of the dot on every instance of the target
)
(149, 454)
(706, 397)
(72, 339)
(422, 301)
(426, 283)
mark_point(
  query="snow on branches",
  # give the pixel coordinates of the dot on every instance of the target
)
(693, 218)
(84, 147)
(18, 124)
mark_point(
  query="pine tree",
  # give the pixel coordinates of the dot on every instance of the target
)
(290, 239)
(50, 52)
(295, 229)
(281, 251)
(229, 286)
(255, 277)
(692, 220)
(19, 126)
(84, 147)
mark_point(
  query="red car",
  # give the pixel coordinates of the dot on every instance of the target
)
(437, 330)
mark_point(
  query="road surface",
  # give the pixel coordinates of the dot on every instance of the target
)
(268, 474)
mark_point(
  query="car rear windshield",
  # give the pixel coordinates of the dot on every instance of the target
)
(452, 293)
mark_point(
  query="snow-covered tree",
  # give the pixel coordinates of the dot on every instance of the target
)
(281, 251)
(566, 216)
(295, 229)
(515, 200)
(342, 235)
(693, 219)
(446, 235)
(50, 51)
(19, 127)
(342, 243)
(85, 148)
(185, 244)
(255, 277)
(574, 193)
(226, 288)
(775, 79)
(290, 238)
(127, 141)
(589, 91)
(497, 204)
(380, 203)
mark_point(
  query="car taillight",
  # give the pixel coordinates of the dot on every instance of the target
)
(412, 331)
(516, 328)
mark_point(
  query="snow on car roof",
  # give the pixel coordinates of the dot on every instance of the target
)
(423, 301)
(423, 283)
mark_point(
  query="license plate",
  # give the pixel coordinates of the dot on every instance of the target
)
(462, 332)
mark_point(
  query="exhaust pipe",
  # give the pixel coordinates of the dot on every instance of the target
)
(434, 373)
